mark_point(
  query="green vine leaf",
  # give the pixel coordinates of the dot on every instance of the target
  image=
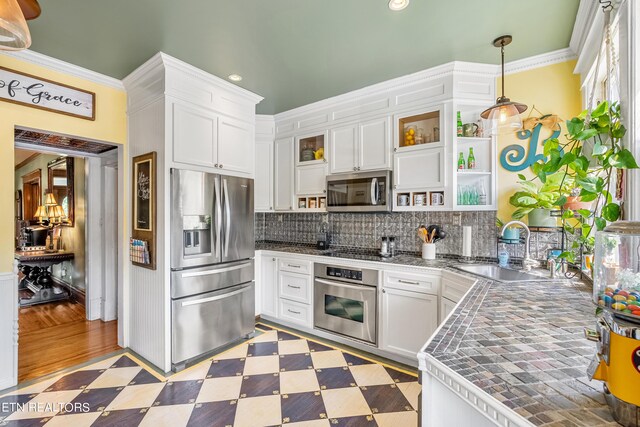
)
(623, 160)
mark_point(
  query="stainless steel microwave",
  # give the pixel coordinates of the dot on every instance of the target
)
(361, 192)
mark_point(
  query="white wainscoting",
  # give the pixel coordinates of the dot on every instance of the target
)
(8, 329)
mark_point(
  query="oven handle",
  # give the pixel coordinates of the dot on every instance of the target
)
(344, 285)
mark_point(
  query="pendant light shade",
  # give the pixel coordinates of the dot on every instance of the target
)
(505, 114)
(14, 32)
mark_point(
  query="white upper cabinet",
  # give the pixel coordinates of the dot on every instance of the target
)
(311, 180)
(283, 172)
(204, 138)
(194, 135)
(419, 169)
(263, 187)
(375, 145)
(344, 149)
(362, 147)
(235, 145)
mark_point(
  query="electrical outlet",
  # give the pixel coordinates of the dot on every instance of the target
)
(280, 218)
(457, 218)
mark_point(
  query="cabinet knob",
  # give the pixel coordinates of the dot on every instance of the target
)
(215, 166)
(273, 259)
(395, 149)
(270, 208)
(395, 186)
(324, 160)
(220, 166)
(358, 167)
(324, 191)
(384, 291)
(354, 168)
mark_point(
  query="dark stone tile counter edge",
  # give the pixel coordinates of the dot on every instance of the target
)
(521, 343)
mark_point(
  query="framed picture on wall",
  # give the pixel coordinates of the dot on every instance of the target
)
(144, 208)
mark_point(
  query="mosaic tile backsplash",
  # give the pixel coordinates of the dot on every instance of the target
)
(364, 231)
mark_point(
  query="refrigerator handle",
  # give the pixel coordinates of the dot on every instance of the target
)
(218, 207)
(227, 212)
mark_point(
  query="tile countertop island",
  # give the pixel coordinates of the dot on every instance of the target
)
(510, 354)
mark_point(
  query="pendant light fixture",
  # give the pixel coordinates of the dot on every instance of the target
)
(505, 114)
(14, 32)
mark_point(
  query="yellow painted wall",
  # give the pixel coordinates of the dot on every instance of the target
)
(110, 126)
(553, 89)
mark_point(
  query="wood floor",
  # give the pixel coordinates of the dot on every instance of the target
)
(57, 335)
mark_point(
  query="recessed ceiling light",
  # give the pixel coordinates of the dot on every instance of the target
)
(397, 5)
(235, 77)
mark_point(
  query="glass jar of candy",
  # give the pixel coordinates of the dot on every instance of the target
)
(616, 269)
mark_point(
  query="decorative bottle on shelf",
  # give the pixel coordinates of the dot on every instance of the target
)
(459, 124)
(482, 194)
(461, 164)
(471, 160)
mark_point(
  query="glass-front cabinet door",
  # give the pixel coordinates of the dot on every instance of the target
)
(311, 149)
(420, 129)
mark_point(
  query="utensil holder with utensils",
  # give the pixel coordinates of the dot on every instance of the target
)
(429, 236)
(428, 251)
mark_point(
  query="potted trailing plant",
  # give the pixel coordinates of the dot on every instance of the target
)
(537, 201)
(593, 175)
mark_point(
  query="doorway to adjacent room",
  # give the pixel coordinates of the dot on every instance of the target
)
(67, 252)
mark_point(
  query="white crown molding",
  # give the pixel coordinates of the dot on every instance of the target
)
(394, 84)
(537, 61)
(525, 64)
(65, 68)
(162, 60)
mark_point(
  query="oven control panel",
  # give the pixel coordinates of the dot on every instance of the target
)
(344, 273)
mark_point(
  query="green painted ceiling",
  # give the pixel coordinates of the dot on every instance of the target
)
(294, 52)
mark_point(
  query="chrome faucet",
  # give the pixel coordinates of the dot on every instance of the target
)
(527, 262)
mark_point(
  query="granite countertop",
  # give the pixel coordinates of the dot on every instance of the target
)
(360, 255)
(522, 344)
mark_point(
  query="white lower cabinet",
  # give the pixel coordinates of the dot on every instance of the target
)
(268, 277)
(446, 307)
(412, 303)
(454, 287)
(408, 319)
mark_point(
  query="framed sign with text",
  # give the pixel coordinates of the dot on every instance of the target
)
(144, 208)
(32, 91)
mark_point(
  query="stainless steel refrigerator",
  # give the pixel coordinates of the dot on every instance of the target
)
(212, 273)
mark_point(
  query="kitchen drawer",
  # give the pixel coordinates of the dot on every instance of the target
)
(295, 266)
(414, 282)
(295, 312)
(295, 287)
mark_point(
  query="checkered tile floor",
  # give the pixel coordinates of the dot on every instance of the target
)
(276, 378)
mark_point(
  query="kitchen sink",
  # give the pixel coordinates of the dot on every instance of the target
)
(494, 272)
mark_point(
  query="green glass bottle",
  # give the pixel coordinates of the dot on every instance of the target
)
(461, 165)
(459, 125)
(471, 160)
